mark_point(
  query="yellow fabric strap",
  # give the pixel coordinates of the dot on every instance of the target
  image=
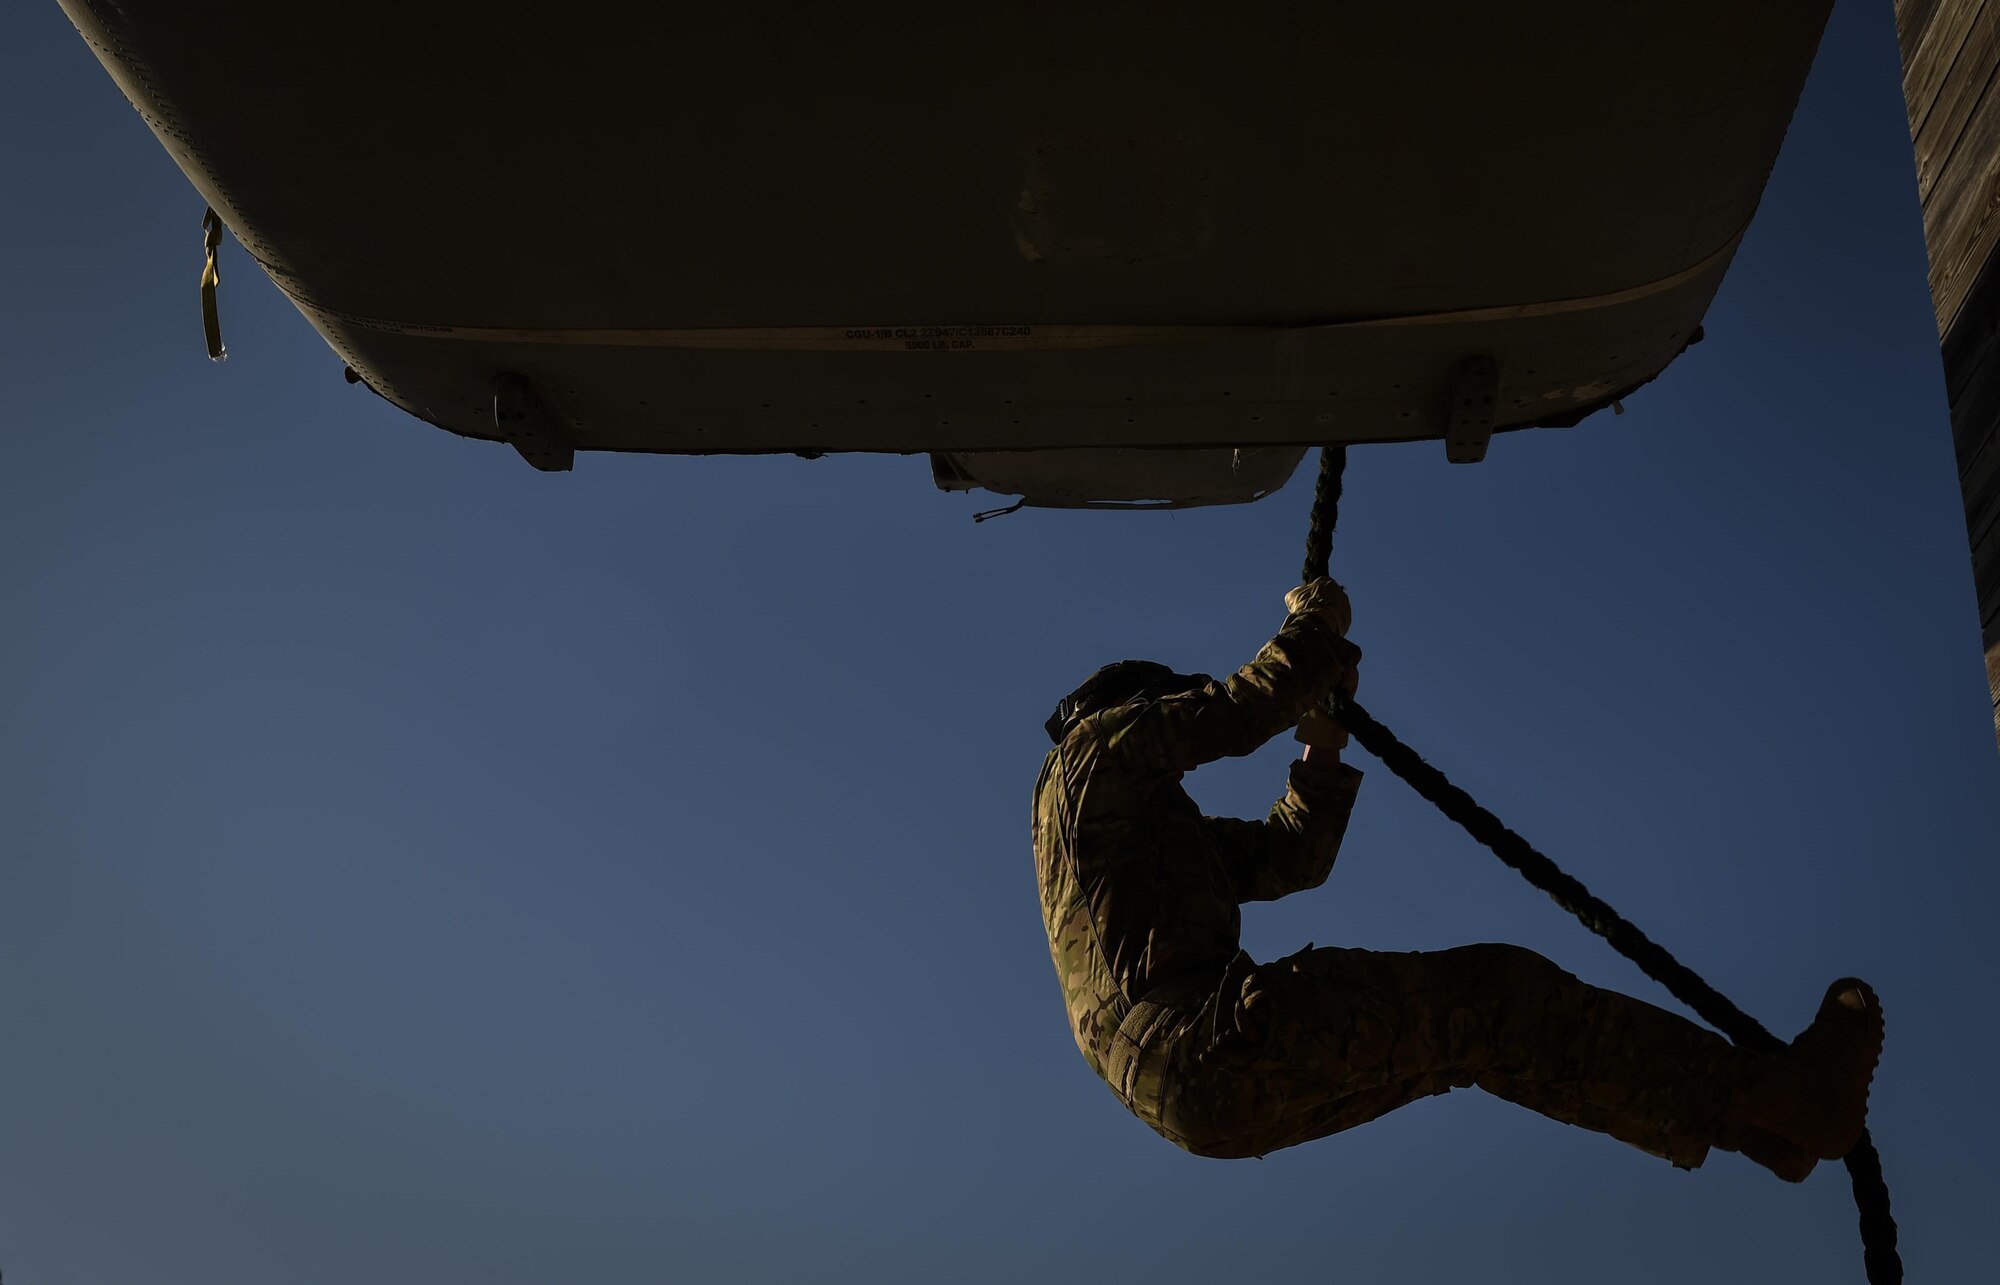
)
(211, 321)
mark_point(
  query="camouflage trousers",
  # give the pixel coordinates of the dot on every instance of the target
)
(1339, 1037)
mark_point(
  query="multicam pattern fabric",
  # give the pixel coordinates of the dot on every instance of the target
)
(1139, 890)
(1226, 1057)
(1341, 1036)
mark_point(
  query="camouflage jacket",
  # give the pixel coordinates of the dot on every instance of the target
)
(1139, 889)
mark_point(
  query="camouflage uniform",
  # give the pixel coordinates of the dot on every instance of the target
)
(1227, 1057)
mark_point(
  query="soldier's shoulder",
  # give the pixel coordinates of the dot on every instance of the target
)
(1106, 726)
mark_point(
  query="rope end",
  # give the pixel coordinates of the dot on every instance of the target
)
(1015, 507)
(211, 318)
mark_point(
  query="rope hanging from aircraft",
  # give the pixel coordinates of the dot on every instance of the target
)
(1864, 1165)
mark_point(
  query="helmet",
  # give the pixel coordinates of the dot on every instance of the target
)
(1118, 684)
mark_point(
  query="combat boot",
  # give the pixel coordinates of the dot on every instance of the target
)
(1772, 1152)
(1812, 1096)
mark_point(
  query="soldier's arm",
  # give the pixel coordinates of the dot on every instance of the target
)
(1293, 848)
(1291, 674)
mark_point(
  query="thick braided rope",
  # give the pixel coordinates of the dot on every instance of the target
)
(1864, 1166)
(1325, 512)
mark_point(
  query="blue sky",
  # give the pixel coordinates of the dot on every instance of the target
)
(415, 868)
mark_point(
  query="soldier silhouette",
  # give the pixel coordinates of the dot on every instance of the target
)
(1228, 1057)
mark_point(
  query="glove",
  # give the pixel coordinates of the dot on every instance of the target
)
(1320, 730)
(1324, 599)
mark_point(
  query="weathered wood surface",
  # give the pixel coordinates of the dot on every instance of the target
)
(1950, 61)
(1951, 85)
(1948, 101)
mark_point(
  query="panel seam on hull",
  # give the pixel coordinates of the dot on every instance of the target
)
(987, 337)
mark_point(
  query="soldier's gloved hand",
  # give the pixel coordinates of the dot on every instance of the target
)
(1319, 730)
(1349, 681)
(1324, 599)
